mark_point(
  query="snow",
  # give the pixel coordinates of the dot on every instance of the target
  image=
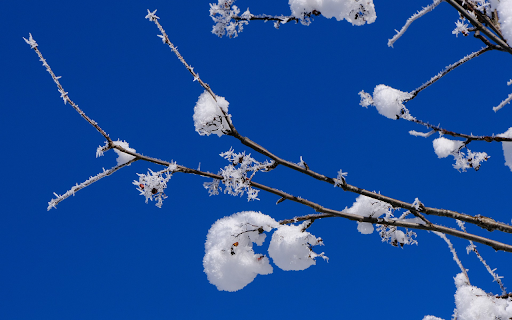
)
(229, 261)
(444, 147)
(208, 116)
(507, 147)
(473, 303)
(122, 157)
(30, 41)
(368, 207)
(153, 184)
(505, 15)
(290, 247)
(387, 100)
(354, 11)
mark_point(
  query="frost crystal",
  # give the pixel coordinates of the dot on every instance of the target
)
(237, 175)
(354, 11)
(229, 261)
(209, 115)
(153, 184)
(340, 179)
(291, 247)
(31, 41)
(388, 101)
(222, 14)
(461, 27)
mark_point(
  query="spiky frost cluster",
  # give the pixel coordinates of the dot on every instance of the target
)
(222, 14)
(153, 184)
(230, 261)
(237, 175)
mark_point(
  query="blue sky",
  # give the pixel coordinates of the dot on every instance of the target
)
(105, 254)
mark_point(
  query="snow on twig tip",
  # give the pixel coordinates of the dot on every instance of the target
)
(31, 41)
(151, 16)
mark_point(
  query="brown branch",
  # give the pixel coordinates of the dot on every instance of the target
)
(447, 70)
(457, 5)
(483, 222)
(460, 135)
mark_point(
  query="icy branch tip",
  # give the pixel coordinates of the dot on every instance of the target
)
(31, 41)
(151, 16)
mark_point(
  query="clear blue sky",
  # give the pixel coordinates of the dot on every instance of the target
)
(105, 254)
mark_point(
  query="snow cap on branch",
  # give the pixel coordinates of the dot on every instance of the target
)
(507, 147)
(208, 117)
(368, 207)
(357, 12)
(505, 15)
(474, 303)
(387, 100)
(229, 261)
(122, 157)
(445, 147)
(290, 247)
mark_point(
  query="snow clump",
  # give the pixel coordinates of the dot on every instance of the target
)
(229, 261)
(473, 303)
(368, 207)
(122, 157)
(507, 147)
(444, 147)
(388, 101)
(210, 115)
(505, 14)
(357, 12)
(290, 247)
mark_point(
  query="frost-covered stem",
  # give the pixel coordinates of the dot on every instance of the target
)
(460, 135)
(279, 161)
(483, 222)
(264, 17)
(483, 18)
(503, 103)
(454, 253)
(447, 70)
(409, 21)
(165, 39)
(66, 98)
(456, 4)
(473, 248)
(71, 192)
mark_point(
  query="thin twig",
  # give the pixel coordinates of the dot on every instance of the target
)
(454, 253)
(409, 21)
(64, 95)
(447, 70)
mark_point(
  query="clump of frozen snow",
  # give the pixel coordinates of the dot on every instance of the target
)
(507, 148)
(291, 247)
(368, 207)
(472, 303)
(209, 116)
(387, 100)
(357, 12)
(444, 147)
(229, 261)
(122, 157)
(505, 15)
